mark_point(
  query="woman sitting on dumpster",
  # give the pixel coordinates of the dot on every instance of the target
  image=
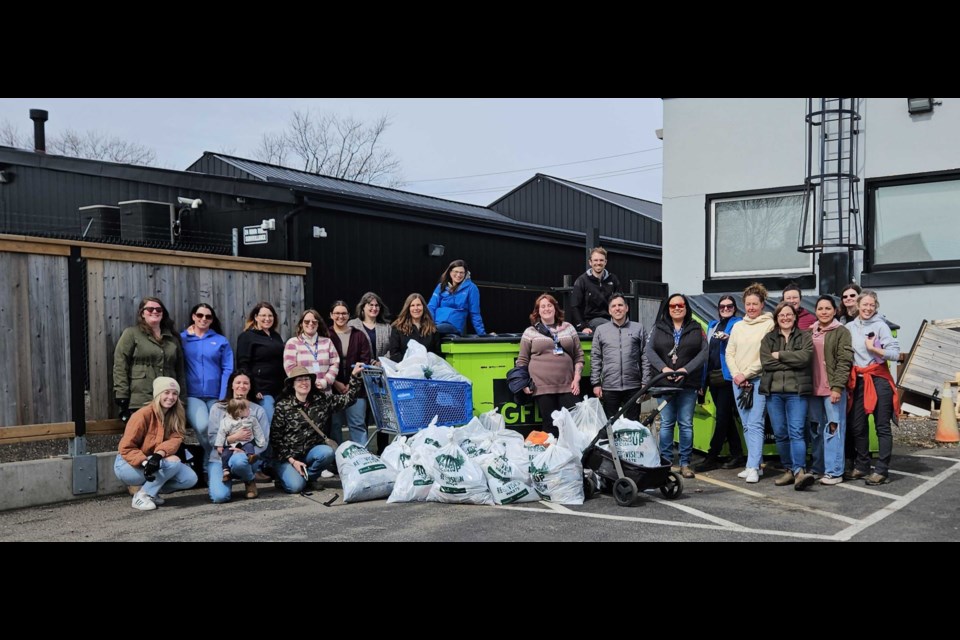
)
(147, 449)
(678, 344)
(454, 298)
(551, 351)
(301, 449)
(414, 323)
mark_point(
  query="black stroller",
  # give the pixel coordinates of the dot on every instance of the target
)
(630, 479)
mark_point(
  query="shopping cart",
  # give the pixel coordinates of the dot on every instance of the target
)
(629, 479)
(406, 405)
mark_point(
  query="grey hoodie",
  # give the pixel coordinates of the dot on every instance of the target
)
(858, 334)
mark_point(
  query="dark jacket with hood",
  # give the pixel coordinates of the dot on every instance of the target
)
(591, 296)
(691, 350)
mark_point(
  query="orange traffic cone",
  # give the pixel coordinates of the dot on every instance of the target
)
(947, 430)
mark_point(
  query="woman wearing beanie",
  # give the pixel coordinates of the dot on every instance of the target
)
(151, 438)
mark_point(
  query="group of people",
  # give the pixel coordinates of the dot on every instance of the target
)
(813, 382)
(273, 407)
(278, 407)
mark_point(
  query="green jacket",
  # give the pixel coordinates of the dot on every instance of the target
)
(139, 359)
(792, 372)
(837, 357)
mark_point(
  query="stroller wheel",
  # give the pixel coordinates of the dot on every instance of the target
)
(673, 486)
(625, 491)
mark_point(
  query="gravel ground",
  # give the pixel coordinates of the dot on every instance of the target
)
(912, 432)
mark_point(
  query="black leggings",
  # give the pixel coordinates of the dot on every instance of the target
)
(550, 402)
(725, 429)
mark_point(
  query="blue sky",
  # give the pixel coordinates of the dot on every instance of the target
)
(435, 138)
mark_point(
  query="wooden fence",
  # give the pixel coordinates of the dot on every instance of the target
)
(37, 307)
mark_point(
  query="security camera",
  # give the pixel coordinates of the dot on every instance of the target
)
(193, 203)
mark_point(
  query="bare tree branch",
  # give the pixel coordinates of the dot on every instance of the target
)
(10, 136)
(327, 144)
(96, 145)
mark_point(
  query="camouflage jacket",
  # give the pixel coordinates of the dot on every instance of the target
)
(291, 435)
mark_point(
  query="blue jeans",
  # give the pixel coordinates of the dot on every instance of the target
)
(198, 412)
(172, 476)
(445, 328)
(318, 459)
(239, 468)
(752, 421)
(788, 417)
(354, 418)
(267, 404)
(823, 412)
(679, 410)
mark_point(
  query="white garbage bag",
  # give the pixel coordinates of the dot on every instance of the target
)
(473, 438)
(589, 417)
(397, 454)
(508, 481)
(558, 475)
(413, 483)
(456, 478)
(635, 443)
(363, 475)
(432, 436)
(493, 421)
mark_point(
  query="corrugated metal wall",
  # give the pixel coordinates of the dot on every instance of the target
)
(362, 253)
(552, 204)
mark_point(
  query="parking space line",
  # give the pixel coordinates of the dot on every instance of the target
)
(873, 492)
(671, 523)
(920, 455)
(780, 501)
(556, 507)
(696, 512)
(907, 473)
(900, 503)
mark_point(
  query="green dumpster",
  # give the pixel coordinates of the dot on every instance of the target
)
(486, 361)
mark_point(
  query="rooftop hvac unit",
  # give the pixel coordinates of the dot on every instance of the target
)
(146, 221)
(100, 222)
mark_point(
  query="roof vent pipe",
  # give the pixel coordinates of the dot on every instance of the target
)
(39, 116)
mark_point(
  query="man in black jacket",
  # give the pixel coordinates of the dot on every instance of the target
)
(591, 293)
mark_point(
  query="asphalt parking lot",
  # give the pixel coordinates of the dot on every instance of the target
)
(919, 504)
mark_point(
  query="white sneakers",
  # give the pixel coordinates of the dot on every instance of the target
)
(753, 475)
(746, 472)
(143, 502)
(326, 474)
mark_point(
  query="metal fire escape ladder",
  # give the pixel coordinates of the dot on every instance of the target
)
(831, 203)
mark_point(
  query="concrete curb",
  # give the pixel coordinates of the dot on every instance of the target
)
(38, 482)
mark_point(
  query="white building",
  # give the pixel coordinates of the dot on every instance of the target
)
(734, 172)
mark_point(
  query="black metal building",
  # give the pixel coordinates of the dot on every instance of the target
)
(555, 202)
(358, 237)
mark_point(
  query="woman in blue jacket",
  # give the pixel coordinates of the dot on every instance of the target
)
(717, 378)
(454, 298)
(209, 363)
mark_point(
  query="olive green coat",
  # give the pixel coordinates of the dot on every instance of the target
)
(792, 372)
(139, 359)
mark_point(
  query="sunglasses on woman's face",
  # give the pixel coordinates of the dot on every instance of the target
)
(153, 309)
(727, 307)
(678, 306)
(204, 316)
(849, 295)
